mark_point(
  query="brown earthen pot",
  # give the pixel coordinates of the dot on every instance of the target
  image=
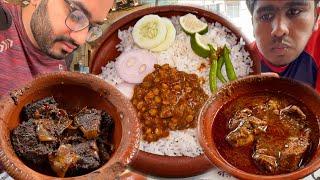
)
(73, 91)
(148, 163)
(256, 85)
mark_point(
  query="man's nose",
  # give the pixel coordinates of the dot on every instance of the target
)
(79, 36)
(280, 27)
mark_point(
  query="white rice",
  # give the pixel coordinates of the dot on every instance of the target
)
(110, 75)
(181, 56)
(178, 143)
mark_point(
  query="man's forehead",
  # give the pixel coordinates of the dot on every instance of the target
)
(96, 10)
(282, 2)
(261, 5)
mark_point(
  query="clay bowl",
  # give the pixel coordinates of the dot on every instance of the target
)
(73, 91)
(209, 118)
(145, 162)
(148, 163)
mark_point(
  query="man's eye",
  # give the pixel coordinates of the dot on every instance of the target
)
(266, 17)
(74, 17)
(293, 12)
(78, 16)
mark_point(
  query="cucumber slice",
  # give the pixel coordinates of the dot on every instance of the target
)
(199, 45)
(149, 31)
(191, 24)
(170, 37)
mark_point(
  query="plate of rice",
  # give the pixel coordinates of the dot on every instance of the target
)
(173, 151)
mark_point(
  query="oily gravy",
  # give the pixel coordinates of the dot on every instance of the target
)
(266, 133)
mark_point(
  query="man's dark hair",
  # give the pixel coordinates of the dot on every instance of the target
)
(251, 3)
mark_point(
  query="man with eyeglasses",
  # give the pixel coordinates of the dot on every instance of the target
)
(288, 38)
(37, 38)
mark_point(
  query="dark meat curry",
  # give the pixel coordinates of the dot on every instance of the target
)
(167, 99)
(266, 134)
(71, 145)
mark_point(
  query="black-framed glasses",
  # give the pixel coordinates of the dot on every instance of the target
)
(77, 21)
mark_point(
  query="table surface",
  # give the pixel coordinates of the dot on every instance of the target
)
(213, 174)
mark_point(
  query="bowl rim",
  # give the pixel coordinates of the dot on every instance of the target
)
(201, 12)
(213, 154)
(120, 159)
(198, 11)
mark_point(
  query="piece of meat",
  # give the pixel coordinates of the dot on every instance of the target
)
(264, 156)
(292, 117)
(72, 136)
(106, 128)
(244, 127)
(89, 159)
(293, 111)
(247, 127)
(49, 130)
(25, 142)
(88, 121)
(29, 111)
(281, 156)
(55, 114)
(235, 121)
(106, 149)
(47, 135)
(266, 162)
(44, 132)
(258, 125)
(63, 159)
(241, 136)
(107, 125)
(104, 141)
(293, 151)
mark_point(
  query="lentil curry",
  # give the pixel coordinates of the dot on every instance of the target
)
(167, 99)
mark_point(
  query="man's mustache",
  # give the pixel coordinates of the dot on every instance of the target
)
(66, 39)
(281, 40)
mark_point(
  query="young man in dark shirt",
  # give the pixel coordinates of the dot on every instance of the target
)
(288, 38)
(36, 39)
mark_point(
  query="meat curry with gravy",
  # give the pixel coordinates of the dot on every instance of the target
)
(56, 143)
(266, 133)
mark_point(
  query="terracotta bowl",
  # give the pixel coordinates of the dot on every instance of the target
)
(73, 91)
(208, 116)
(148, 163)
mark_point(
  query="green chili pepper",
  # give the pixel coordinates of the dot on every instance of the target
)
(213, 69)
(219, 74)
(229, 67)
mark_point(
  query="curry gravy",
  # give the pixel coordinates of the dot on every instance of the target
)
(274, 136)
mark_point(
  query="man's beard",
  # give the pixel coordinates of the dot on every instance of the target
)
(43, 32)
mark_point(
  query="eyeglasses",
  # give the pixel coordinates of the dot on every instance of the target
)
(77, 21)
